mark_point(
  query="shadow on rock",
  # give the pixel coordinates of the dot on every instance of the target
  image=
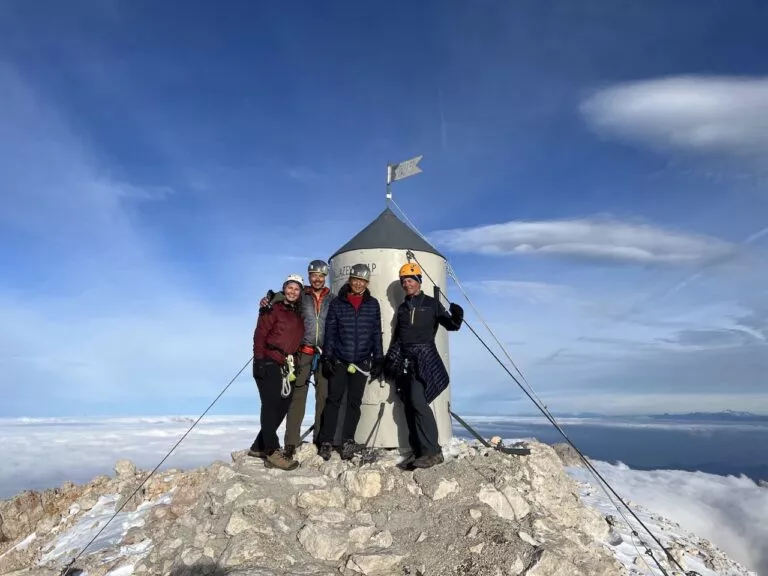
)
(201, 569)
(211, 569)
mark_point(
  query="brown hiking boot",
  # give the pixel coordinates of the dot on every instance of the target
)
(428, 460)
(278, 460)
(257, 453)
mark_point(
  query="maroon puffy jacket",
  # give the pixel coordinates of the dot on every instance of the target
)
(281, 328)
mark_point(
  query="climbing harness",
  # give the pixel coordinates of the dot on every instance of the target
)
(602, 482)
(352, 368)
(69, 568)
(289, 376)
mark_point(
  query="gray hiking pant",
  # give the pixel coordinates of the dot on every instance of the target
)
(299, 401)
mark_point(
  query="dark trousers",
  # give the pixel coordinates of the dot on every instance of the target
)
(273, 409)
(354, 385)
(299, 401)
(422, 427)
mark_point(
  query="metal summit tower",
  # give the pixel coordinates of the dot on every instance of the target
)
(383, 245)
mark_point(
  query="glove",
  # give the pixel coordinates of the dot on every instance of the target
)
(259, 369)
(377, 369)
(265, 304)
(388, 368)
(457, 313)
(329, 366)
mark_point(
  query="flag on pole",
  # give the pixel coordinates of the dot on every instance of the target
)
(403, 169)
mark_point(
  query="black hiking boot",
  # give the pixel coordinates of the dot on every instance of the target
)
(407, 464)
(325, 451)
(254, 452)
(428, 460)
(350, 448)
(289, 451)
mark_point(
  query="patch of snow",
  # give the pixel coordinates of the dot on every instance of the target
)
(125, 570)
(68, 544)
(138, 549)
(21, 545)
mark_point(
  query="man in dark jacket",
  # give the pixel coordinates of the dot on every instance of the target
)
(415, 364)
(315, 301)
(352, 347)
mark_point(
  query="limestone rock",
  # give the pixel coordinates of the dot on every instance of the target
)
(374, 564)
(323, 542)
(314, 499)
(508, 504)
(363, 483)
(125, 469)
(445, 488)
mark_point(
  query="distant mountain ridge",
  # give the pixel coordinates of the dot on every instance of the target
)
(723, 415)
(728, 415)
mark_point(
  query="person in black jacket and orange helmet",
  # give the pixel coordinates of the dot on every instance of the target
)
(415, 364)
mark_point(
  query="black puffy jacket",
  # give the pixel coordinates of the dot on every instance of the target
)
(353, 336)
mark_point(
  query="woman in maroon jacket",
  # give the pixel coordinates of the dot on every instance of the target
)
(276, 339)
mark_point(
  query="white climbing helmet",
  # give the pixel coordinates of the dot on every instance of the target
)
(294, 278)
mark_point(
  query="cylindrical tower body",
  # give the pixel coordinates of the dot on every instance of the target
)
(385, 262)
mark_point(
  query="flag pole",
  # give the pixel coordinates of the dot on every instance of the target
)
(389, 182)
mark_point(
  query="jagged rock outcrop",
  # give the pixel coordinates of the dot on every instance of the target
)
(568, 455)
(481, 513)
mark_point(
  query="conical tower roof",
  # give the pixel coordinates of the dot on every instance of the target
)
(388, 232)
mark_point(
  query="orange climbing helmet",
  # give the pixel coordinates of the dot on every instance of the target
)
(410, 270)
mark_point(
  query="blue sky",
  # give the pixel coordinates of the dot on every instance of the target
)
(595, 173)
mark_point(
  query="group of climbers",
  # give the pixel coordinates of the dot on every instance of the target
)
(307, 331)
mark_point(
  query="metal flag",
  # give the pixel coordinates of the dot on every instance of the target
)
(403, 169)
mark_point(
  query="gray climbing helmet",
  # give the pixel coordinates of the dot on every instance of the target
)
(360, 271)
(318, 266)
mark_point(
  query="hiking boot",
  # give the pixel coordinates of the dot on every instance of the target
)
(256, 453)
(325, 451)
(407, 463)
(428, 460)
(289, 451)
(350, 448)
(277, 460)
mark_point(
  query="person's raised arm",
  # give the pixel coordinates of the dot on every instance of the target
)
(270, 299)
(452, 320)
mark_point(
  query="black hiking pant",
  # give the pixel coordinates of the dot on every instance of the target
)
(273, 408)
(422, 427)
(354, 385)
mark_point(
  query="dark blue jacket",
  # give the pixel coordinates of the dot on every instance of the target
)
(352, 336)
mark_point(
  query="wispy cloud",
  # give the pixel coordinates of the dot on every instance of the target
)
(701, 115)
(714, 337)
(534, 292)
(99, 312)
(594, 239)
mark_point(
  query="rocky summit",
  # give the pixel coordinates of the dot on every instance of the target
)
(481, 512)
